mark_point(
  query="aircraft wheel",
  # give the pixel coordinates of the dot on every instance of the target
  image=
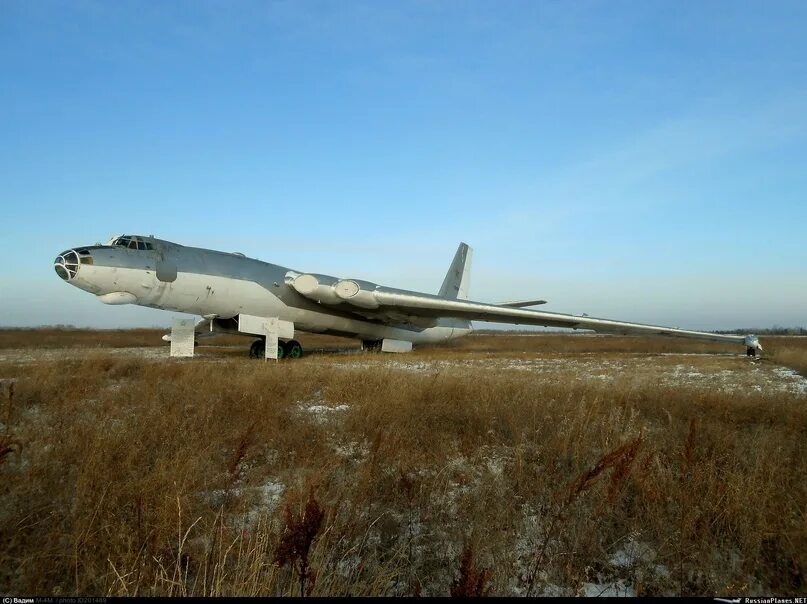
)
(281, 350)
(371, 345)
(257, 350)
(293, 349)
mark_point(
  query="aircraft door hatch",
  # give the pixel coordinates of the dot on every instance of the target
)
(166, 271)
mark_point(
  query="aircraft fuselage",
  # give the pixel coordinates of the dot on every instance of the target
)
(223, 285)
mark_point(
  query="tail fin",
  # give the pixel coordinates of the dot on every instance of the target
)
(458, 277)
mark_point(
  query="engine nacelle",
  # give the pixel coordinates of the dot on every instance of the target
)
(351, 292)
(318, 288)
(311, 287)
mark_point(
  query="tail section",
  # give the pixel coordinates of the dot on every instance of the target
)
(457, 281)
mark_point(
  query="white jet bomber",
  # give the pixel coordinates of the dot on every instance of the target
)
(236, 294)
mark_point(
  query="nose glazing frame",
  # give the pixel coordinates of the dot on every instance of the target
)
(66, 264)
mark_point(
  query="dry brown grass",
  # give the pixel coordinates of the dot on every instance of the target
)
(85, 338)
(186, 477)
(127, 338)
(790, 352)
(582, 343)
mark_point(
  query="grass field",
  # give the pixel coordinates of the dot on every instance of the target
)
(498, 464)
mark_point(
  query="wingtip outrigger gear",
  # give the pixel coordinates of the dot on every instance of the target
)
(752, 345)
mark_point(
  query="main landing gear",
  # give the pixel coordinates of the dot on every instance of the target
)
(285, 350)
(750, 351)
(371, 345)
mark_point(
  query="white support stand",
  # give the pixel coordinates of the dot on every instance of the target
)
(182, 337)
(270, 327)
(388, 345)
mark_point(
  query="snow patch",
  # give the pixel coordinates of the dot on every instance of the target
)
(617, 589)
(267, 497)
(796, 383)
(631, 554)
(322, 413)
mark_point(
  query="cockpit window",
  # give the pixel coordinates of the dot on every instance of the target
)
(132, 242)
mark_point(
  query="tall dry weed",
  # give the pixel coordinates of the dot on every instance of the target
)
(294, 548)
(8, 444)
(472, 582)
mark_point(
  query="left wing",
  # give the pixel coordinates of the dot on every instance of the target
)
(426, 305)
(383, 303)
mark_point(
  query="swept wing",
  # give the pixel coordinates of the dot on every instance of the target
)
(400, 306)
(425, 305)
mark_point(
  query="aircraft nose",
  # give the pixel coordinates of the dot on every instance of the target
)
(66, 264)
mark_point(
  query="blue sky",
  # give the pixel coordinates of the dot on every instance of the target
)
(635, 160)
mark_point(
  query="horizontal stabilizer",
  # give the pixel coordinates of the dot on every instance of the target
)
(522, 303)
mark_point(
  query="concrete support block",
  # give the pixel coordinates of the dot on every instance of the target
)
(388, 345)
(182, 337)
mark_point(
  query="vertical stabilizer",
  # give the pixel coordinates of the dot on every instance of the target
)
(458, 277)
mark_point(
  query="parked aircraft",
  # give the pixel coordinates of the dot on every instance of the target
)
(234, 294)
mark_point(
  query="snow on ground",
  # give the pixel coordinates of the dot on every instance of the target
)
(723, 372)
(349, 450)
(268, 494)
(320, 410)
(632, 554)
(607, 590)
(796, 383)
(325, 409)
(266, 498)
(262, 500)
(27, 356)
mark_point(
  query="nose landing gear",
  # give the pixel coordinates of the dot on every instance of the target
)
(291, 349)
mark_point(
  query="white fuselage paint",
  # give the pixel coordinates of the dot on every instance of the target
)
(226, 297)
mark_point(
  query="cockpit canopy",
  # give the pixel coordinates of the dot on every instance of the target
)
(132, 242)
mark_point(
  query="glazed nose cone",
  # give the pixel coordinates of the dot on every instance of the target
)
(66, 264)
